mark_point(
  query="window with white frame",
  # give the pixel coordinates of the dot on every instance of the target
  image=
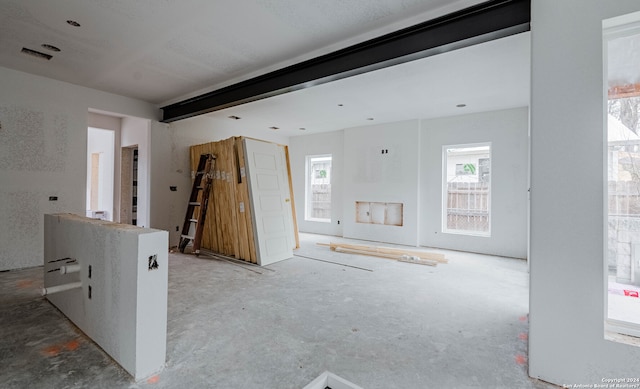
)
(622, 178)
(318, 188)
(466, 207)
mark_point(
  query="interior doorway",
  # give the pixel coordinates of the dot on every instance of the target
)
(121, 168)
(129, 185)
(100, 173)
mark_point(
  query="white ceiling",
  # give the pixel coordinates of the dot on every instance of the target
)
(163, 51)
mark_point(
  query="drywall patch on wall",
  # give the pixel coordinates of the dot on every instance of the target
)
(21, 212)
(32, 140)
(21, 215)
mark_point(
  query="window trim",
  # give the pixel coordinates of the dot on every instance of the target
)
(619, 331)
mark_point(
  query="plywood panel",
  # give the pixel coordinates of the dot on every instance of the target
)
(293, 203)
(229, 226)
(243, 236)
(243, 189)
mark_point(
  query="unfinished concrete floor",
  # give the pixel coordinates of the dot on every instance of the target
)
(400, 325)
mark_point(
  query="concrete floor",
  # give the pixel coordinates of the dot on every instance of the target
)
(457, 325)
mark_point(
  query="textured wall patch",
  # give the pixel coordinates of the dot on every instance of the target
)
(22, 216)
(32, 140)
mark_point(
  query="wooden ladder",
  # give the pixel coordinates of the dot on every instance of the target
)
(202, 182)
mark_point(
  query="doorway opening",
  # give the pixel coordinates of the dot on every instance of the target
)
(129, 185)
(118, 153)
(100, 173)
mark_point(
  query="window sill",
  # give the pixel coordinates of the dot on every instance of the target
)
(318, 220)
(622, 332)
(468, 233)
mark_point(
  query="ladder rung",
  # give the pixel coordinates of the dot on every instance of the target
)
(194, 203)
(199, 187)
(186, 237)
(193, 220)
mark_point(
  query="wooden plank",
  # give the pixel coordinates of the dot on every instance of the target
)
(293, 203)
(217, 215)
(388, 250)
(247, 204)
(243, 238)
(386, 256)
(211, 213)
(232, 222)
(424, 255)
(225, 206)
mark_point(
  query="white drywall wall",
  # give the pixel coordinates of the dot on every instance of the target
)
(392, 177)
(99, 120)
(136, 132)
(299, 148)
(171, 164)
(566, 338)
(43, 151)
(126, 313)
(507, 131)
(101, 142)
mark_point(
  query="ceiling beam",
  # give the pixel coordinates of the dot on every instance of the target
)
(477, 24)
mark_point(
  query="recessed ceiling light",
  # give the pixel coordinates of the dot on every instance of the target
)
(234, 117)
(73, 23)
(50, 47)
(461, 105)
(36, 54)
(302, 129)
(369, 118)
(340, 105)
(274, 128)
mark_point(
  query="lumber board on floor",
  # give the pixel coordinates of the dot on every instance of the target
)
(388, 250)
(386, 256)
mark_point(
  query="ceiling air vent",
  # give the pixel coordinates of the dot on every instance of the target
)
(36, 54)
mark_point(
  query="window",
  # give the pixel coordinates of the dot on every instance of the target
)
(467, 189)
(318, 188)
(622, 212)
